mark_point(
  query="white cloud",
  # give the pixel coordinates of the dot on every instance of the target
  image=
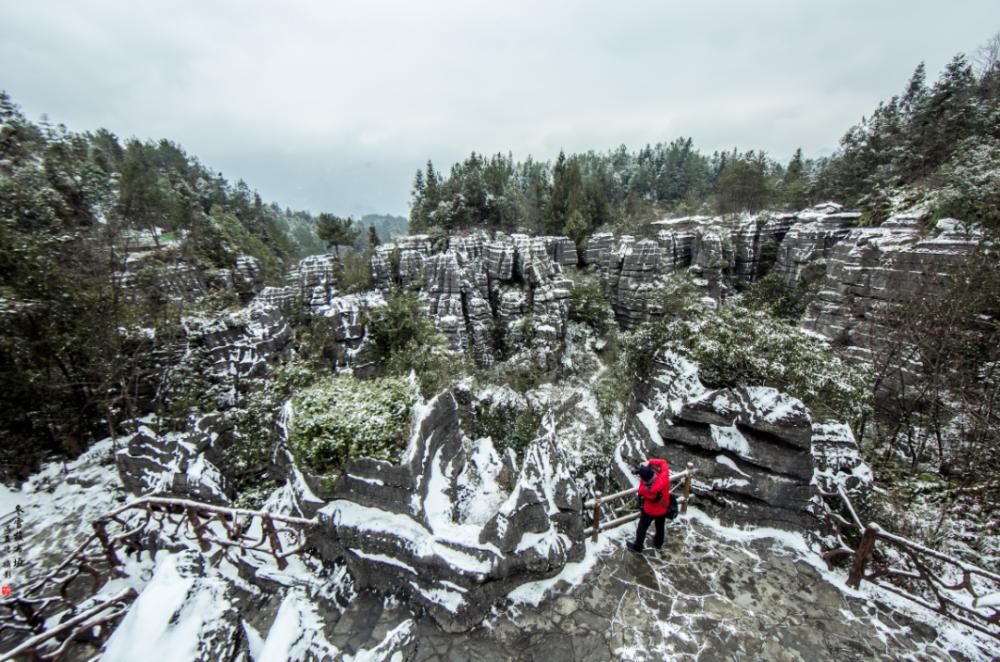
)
(332, 104)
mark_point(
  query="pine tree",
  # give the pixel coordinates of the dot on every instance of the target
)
(336, 231)
(793, 184)
(567, 193)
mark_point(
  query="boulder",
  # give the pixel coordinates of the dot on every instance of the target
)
(751, 447)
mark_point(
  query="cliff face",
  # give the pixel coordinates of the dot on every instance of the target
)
(812, 238)
(484, 293)
(870, 269)
(723, 254)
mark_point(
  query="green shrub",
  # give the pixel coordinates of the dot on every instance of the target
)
(341, 417)
(247, 457)
(735, 346)
(404, 340)
(773, 295)
(435, 366)
(676, 296)
(398, 325)
(589, 304)
(507, 425)
(354, 273)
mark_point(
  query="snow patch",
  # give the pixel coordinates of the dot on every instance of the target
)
(729, 438)
(297, 632)
(170, 617)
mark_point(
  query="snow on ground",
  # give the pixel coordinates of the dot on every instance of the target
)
(572, 574)
(297, 632)
(172, 616)
(59, 503)
(398, 638)
(480, 495)
(952, 634)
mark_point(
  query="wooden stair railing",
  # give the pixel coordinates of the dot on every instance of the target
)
(942, 583)
(60, 592)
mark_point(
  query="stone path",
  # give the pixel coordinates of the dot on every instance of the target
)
(703, 597)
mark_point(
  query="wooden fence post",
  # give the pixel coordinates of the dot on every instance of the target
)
(272, 535)
(196, 527)
(687, 488)
(109, 550)
(597, 517)
(861, 556)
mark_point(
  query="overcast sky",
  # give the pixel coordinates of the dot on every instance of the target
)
(332, 105)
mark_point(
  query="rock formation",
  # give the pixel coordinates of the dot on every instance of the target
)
(752, 447)
(173, 465)
(871, 268)
(483, 294)
(439, 527)
(720, 253)
(813, 239)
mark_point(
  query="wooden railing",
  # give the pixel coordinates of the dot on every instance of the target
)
(130, 530)
(949, 586)
(599, 501)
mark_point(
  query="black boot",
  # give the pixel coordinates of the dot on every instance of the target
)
(632, 547)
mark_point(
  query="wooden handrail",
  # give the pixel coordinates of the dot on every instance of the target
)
(98, 558)
(632, 491)
(205, 507)
(32, 644)
(596, 526)
(910, 574)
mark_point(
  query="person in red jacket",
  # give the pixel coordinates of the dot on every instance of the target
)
(654, 490)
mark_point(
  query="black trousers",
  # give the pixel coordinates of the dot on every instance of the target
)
(644, 522)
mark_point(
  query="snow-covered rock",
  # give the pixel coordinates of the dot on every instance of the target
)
(750, 447)
(181, 615)
(173, 465)
(414, 528)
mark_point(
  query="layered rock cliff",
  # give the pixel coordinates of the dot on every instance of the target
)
(871, 269)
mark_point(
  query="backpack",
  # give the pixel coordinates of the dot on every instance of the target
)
(672, 508)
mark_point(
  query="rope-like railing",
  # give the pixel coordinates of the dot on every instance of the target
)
(57, 593)
(596, 504)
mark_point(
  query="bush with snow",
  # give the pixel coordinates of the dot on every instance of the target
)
(341, 417)
(735, 346)
(589, 304)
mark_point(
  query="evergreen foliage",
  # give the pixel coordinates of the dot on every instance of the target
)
(337, 231)
(404, 341)
(340, 417)
(579, 193)
(735, 346)
(589, 304)
(73, 208)
(906, 140)
(925, 136)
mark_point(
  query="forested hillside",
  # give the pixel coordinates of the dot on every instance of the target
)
(942, 138)
(100, 242)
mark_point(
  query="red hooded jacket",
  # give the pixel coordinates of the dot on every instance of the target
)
(656, 498)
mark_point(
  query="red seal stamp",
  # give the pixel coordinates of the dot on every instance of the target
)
(5, 590)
